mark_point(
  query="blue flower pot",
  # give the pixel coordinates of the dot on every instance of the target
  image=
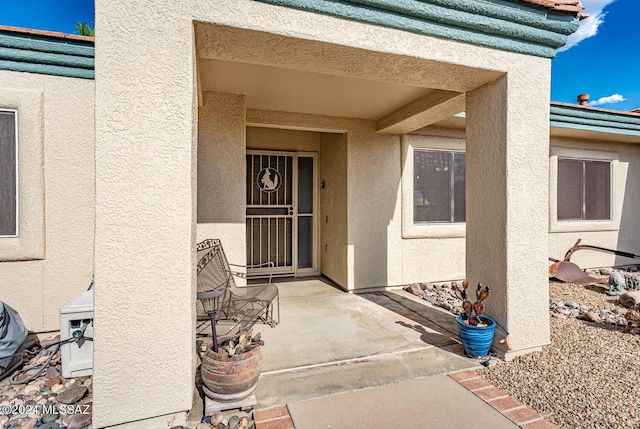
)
(476, 340)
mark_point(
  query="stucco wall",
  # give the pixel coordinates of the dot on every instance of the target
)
(622, 231)
(283, 140)
(146, 136)
(221, 173)
(373, 203)
(51, 262)
(333, 207)
(145, 178)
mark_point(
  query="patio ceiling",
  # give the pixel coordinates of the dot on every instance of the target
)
(397, 108)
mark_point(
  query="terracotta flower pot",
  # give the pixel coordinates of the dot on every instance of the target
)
(228, 379)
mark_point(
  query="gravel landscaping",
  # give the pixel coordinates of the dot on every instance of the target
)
(588, 377)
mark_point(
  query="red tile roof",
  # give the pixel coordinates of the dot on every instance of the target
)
(572, 7)
(52, 34)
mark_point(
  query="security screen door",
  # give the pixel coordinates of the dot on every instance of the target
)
(280, 212)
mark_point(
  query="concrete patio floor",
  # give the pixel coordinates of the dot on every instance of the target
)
(374, 359)
(329, 342)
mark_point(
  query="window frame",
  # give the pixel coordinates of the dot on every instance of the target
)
(410, 230)
(451, 185)
(617, 178)
(583, 208)
(17, 173)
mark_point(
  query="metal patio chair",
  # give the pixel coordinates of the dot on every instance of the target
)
(221, 300)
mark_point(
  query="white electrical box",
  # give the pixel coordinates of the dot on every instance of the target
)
(77, 357)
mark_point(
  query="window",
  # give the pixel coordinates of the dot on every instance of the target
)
(584, 189)
(438, 186)
(8, 170)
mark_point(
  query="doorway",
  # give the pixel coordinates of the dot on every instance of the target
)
(281, 218)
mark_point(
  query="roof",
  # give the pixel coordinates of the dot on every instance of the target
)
(571, 7)
(632, 113)
(595, 119)
(46, 52)
(43, 33)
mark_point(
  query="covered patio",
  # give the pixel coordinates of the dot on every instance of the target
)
(173, 110)
(338, 359)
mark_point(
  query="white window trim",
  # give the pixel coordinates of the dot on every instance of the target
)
(578, 225)
(425, 229)
(17, 167)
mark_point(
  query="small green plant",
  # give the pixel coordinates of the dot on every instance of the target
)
(85, 29)
(240, 343)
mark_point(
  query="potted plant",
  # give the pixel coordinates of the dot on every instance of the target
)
(231, 367)
(476, 331)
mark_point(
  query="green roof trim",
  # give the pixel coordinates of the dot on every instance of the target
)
(46, 54)
(505, 26)
(603, 121)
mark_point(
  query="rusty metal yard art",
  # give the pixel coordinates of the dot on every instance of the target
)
(569, 272)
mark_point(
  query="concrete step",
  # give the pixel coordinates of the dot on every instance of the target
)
(317, 381)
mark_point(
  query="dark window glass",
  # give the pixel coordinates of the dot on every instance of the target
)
(597, 196)
(584, 190)
(305, 185)
(569, 189)
(305, 242)
(8, 184)
(438, 186)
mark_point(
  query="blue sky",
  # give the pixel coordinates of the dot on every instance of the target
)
(51, 15)
(605, 62)
(601, 59)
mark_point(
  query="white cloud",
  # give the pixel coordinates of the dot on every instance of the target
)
(589, 26)
(612, 99)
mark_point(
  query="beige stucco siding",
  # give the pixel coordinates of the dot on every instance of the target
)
(333, 207)
(423, 253)
(282, 140)
(221, 173)
(52, 262)
(373, 198)
(146, 125)
(622, 231)
(146, 150)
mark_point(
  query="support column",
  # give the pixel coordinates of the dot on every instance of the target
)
(507, 205)
(144, 350)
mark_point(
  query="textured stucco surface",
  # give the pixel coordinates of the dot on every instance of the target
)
(57, 198)
(282, 140)
(372, 180)
(145, 176)
(373, 201)
(146, 134)
(621, 232)
(507, 216)
(27, 99)
(221, 173)
(333, 207)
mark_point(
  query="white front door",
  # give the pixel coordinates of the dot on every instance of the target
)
(281, 205)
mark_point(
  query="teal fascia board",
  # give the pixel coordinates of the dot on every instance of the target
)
(29, 43)
(528, 31)
(46, 55)
(606, 130)
(35, 57)
(46, 69)
(578, 118)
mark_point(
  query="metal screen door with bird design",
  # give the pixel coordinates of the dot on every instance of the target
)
(279, 221)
